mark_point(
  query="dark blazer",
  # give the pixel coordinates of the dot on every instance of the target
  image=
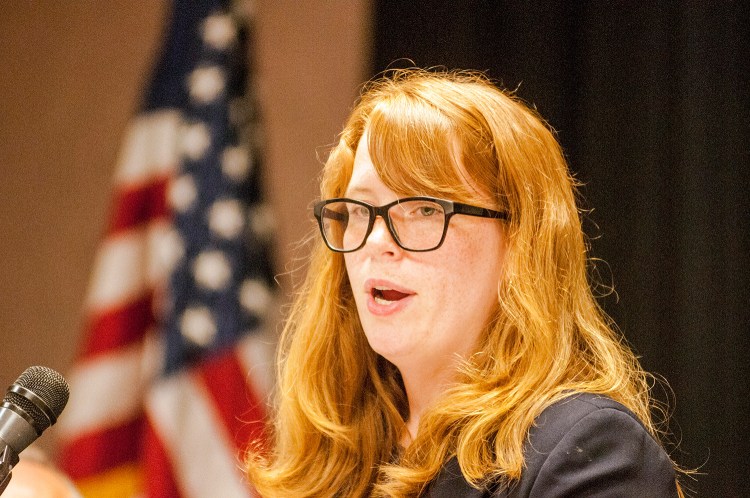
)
(584, 445)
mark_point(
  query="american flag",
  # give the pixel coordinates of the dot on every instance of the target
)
(172, 378)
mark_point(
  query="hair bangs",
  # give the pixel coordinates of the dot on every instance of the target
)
(415, 150)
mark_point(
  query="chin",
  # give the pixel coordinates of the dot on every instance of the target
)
(390, 349)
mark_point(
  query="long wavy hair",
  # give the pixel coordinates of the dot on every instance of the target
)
(341, 408)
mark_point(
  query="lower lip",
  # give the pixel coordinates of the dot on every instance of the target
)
(392, 307)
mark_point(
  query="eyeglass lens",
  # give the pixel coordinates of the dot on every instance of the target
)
(418, 224)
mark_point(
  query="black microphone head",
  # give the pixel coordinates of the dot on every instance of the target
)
(49, 386)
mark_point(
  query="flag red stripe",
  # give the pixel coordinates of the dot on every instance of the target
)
(119, 327)
(94, 453)
(241, 410)
(138, 205)
(159, 476)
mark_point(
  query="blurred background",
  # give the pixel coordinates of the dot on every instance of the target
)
(651, 104)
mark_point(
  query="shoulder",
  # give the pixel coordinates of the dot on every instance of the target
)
(583, 445)
(558, 419)
(589, 445)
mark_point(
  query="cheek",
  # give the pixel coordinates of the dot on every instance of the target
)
(475, 270)
(352, 264)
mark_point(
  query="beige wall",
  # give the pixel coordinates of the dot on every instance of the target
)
(71, 75)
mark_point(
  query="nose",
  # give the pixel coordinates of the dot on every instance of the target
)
(381, 239)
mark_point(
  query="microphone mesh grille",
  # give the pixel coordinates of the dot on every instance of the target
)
(41, 422)
(46, 383)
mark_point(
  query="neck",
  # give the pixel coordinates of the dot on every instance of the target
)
(423, 387)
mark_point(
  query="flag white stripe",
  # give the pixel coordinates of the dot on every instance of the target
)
(150, 147)
(130, 262)
(119, 274)
(192, 433)
(107, 390)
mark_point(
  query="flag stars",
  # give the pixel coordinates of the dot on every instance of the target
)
(169, 249)
(182, 193)
(198, 325)
(219, 31)
(225, 218)
(235, 163)
(206, 83)
(255, 297)
(196, 140)
(212, 270)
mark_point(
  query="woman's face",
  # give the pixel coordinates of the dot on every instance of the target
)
(444, 297)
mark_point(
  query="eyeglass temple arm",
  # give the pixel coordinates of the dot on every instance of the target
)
(479, 211)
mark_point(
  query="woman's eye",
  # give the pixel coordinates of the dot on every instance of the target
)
(427, 210)
(359, 212)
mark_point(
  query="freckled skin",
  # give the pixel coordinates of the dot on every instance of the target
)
(455, 286)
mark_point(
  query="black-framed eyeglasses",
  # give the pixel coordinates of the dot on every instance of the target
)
(417, 224)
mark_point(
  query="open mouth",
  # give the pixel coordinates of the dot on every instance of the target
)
(386, 296)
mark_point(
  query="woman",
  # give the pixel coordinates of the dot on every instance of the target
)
(446, 341)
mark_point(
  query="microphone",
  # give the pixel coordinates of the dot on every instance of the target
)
(30, 406)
